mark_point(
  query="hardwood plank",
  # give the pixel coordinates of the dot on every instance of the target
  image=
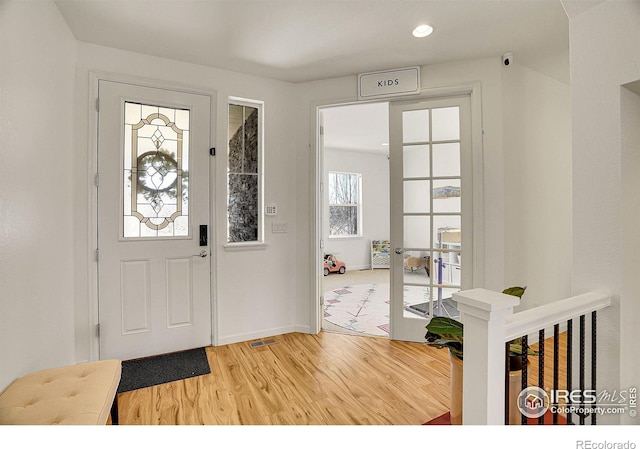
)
(327, 378)
(533, 375)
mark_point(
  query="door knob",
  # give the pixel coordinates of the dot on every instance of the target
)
(399, 250)
(203, 253)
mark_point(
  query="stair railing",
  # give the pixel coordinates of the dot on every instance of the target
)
(490, 325)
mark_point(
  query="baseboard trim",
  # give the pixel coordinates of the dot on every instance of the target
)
(238, 338)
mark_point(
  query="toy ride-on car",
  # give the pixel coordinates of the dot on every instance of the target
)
(333, 265)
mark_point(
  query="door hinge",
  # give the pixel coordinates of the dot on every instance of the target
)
(322, 300)
(98, 330)
(321, 244)
(321, 186)
(212, 151)
(97, 180)
(97, 255)
(98, 104)
(322, 130)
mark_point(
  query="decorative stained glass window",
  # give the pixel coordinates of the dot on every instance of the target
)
(156, 171)
(244, 194)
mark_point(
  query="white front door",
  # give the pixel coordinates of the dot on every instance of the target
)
(153, 220)
(431, 203)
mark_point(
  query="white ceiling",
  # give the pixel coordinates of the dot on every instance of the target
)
(358, 127)
(305, 40)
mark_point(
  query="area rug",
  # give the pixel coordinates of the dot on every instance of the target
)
(362, 308)
(156, 370)
(365, 308)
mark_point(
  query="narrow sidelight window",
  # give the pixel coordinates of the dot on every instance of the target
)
(244, 172)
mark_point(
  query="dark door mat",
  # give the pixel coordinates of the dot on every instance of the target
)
(156, 370)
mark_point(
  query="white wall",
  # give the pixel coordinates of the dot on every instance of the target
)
(526, 164)
(600, 63)
(341, 90)
(374, 167)
(37, 226)
(630, 308)
(254, 288)
(537, 158)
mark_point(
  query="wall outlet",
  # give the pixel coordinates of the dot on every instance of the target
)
(278, 228)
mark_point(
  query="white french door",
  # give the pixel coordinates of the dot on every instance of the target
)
(153, 220)
(431, 210)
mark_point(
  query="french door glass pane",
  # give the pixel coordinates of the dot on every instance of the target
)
(446, 124)
(416, 196)
(416, 161)
(417, 229)
(446, 195)
(446, 159)
(446, 231)
(417, 267)
(416, 301)
(415, 126)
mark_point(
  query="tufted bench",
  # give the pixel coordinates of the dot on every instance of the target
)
(76, 394)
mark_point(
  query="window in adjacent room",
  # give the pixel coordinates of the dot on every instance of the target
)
(244, 172)
(345, 199)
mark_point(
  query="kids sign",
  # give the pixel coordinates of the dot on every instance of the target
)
(389, 83)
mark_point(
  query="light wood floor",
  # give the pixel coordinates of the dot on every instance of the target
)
(533, 369)
(330, 378)
(303, 379)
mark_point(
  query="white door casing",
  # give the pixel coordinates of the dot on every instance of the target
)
(153, 289)
(431, 187)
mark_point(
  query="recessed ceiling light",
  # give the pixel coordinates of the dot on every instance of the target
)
(422, 30)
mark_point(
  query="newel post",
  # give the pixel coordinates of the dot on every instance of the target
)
(483, 313)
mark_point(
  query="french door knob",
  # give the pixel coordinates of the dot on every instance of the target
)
(399, 250)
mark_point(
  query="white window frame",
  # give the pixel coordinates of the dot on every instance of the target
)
(358, 205)
(259, 242)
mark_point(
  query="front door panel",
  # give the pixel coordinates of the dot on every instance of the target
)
(153, 197)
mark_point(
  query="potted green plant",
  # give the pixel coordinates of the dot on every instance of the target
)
(444, 332)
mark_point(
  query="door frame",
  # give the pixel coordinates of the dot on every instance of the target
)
(92, 198)
(473, 90)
